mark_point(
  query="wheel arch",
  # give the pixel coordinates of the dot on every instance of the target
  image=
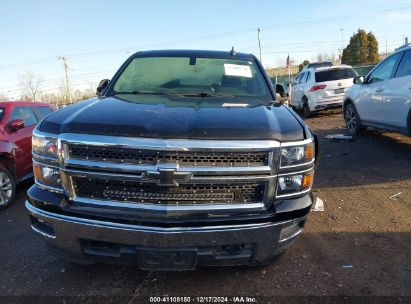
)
(346, 102)
(6, 157)
(304, 100)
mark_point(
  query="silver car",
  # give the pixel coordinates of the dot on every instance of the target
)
(382, 99)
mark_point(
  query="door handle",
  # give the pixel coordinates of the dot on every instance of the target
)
(379, 90)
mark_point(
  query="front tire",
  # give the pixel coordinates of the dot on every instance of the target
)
(352, 120)
(7, 188)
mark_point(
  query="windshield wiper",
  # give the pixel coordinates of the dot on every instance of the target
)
(205, 94)
(137, 93)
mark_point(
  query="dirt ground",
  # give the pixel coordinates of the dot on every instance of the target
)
(359, 247)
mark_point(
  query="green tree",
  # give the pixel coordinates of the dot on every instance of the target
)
(362, 49)
(373, 56)
(301, 65)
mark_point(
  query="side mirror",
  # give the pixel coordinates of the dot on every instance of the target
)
(359, 80)
(102, 86)
(16, 124)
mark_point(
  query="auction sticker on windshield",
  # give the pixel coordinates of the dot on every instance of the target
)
(237, 70)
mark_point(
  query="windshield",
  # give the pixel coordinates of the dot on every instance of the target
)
(335, 74)
(205, 77)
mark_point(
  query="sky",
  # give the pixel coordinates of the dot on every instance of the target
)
(96, 37)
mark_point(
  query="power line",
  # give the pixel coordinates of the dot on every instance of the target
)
(66, 68)
(210, 36)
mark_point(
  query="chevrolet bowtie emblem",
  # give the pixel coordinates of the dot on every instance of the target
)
(169, 177)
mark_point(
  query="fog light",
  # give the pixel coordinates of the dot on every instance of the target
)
(47, 176)
(290, 232)
(294, 184)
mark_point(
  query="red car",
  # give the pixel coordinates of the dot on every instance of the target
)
(17, 121)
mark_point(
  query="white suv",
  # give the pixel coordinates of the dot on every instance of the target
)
(315, 89)
(383, 98)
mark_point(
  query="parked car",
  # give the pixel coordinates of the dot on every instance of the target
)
(184, 159)
(321, 88)
(382, 99)
(17, 121)
(281, 89)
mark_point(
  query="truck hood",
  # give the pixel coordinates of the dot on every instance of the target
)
(177, 117)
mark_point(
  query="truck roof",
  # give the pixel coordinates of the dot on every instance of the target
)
(403, 47)
(193, 53)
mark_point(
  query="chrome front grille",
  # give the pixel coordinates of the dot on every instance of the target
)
(168, 177)
(150, 157)
(149, 193)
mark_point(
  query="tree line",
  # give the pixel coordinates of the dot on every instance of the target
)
(31, 90)
(361, 50)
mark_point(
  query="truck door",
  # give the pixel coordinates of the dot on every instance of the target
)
(370, 105)
(397, 95)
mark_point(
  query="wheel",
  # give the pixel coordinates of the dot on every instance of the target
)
(306, 109)
(7, 188)
(352, 120)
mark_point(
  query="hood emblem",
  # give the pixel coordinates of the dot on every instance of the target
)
(168, 176)
(340, 84)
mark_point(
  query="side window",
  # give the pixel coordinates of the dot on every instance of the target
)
(308, 76)
(404, 69)
(24, 113)
(302, 78)
(385, 70)
(42, 112)
(296, 79)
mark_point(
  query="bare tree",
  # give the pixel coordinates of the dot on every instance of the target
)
(3, 97)
(63, 94)
(320, 57)
(49, 98)
(30, 84)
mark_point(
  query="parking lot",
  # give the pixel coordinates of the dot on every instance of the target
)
(359, 246)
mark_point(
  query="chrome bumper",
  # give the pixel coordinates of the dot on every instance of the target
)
(66, 236)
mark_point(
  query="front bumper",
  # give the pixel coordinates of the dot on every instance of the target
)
(88, 241)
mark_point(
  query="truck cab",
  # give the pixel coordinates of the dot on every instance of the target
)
(184, 158)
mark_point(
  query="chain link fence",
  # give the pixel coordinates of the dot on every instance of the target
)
(361, 70)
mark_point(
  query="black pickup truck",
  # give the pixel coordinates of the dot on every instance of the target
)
(183, 159)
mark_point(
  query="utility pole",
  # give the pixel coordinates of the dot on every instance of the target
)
(66, 68)
(342, 40)
(259, 43)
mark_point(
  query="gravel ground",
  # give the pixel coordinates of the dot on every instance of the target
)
(359, 247)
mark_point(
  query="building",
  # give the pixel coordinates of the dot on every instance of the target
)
(273, 72)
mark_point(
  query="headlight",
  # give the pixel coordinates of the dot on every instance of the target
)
(294, 184)
(44, 146)
(297, 155)
(47, 176)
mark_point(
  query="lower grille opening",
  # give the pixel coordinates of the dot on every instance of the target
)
(42, 227)
(149, 193)
(115, 250)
